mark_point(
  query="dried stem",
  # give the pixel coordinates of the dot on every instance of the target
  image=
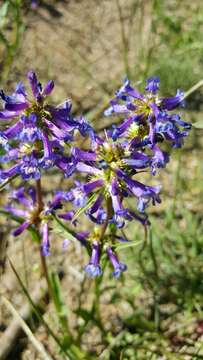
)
(193, 88)
(39, 194)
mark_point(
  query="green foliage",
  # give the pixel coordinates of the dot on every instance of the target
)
(173, 45)
(11, 29)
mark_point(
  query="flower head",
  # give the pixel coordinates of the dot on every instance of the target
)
(32, 215)
(148, 118)
(39, 131)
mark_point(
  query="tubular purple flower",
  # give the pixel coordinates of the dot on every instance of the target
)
(159, 160)
(99, 216)
(83, 155)
(81, 167)
(143, 192)
(93, 269)
(8, 115)
(96, 204)
(48, 88)
(56, 131)
(33, 195)
(16, 106)
(68, 215)
(16, 212)
(33, 83)
(92, 185)
(118, 218)
(153, 84)
(127, 89)
(118, 266)
(77, 196)
(56, 202)
(20, 196)
(7, 174)
(172, 102)
(48, 159)
(30, 132)
(21, 228)
(29, 168)
(20, 89)
(138, 160)
(67, 165)
(18, 97)
(14, 130)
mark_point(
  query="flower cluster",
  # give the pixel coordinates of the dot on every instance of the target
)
(41, 137)
(32, 214)
(39, 132)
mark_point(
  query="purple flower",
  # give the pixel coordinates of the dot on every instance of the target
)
(93, 269)
(110, 168)
(29, 129)
(147, 118)
(153, 84)
(142, 192)
(118, 266)
(40, 130)
(29, 167)
(34, 4)
(172, 102)
(21, 228)
(31, 213)
(159, 160)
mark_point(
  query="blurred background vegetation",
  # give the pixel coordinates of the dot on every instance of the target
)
(88, 46)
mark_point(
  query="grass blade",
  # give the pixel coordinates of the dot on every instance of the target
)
(6, 182)
(39, 316)
(38, 345)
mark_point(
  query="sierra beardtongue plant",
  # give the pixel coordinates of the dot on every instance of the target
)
(41, 137)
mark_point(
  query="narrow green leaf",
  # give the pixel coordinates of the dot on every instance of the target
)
(84, 314)
(55, 282)
(127, 245)
(36, 343)
(3, 13)
(40, 317)
(198, 124)
(6, 182)
(63, 229)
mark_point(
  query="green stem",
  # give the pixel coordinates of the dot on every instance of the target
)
(193, 88)
(152, 253)
(49, 330)
(77, 353)
(151, 284)
(140, 261)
